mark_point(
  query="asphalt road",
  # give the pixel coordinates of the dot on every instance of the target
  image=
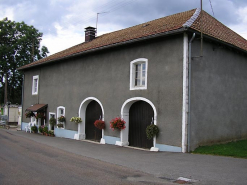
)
(23, 161)
(26, 157)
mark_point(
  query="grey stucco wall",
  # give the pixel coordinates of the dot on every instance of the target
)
(218, 95)
(105, 75)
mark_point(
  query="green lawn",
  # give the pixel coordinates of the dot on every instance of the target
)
(232, 149)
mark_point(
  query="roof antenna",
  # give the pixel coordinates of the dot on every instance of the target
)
(97, 20)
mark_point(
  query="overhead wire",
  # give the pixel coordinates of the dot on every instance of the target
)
(211, 7)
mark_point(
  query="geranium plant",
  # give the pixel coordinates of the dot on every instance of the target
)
(76, 120)
(99, 124)
(43, 129)
(40, 115)
(61, 119)
(29, 114)
(151, 131)
(117, 123)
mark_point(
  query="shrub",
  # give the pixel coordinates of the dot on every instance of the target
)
(99, 124)
(151, 131)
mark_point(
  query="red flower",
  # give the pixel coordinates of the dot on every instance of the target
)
(99, 124)
(117, 123)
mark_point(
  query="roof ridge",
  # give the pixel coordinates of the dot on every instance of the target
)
(164, 25)
(216, 29)
(224, 25)
(143, 23)
(193, 18)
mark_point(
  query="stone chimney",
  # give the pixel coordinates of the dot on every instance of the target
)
(90, 33)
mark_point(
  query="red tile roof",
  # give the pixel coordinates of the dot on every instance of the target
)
(216, 29)
(180, 21)
(37, 107)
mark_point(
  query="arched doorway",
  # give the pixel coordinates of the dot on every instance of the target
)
(124, 134)
(93, 112)
(141, 115)
(82, 113)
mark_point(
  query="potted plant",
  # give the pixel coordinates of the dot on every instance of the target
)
(34, 129)
(117, 123)
(151, 131)
(40, 115)
(99, 124)
(41, 129)
(60, 125)
(45, 130)
(61, 119)
(52, 122)
(76, 120)
(29, 114)
(51, 133)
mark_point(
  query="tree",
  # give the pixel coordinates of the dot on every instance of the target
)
(19, 45)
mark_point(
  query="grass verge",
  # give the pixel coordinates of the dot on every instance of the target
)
(233, 149)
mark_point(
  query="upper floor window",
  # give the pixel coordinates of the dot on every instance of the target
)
(35, 85)
(138, 74)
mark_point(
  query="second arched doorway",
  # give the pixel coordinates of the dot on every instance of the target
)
(93, 113)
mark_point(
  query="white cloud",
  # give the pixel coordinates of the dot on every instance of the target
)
(241, 27)
(65, 38)
(7, 12)
(242, 12)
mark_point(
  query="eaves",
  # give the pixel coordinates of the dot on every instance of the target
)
(172, 32)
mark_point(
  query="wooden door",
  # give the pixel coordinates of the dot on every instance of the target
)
(93, 112)
(140, 116)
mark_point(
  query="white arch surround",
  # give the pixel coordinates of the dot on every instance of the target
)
(125, 115)
(82, 114)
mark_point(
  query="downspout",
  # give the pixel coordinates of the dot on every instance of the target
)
(189, 93)
(22, 97)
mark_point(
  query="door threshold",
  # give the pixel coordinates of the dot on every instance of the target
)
(90, 141)
(136, 148)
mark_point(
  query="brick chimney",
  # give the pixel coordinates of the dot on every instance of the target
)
(90, 33)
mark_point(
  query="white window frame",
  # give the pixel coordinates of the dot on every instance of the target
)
(51, 113)
(133, 71)
(35, 91)
(59, 113)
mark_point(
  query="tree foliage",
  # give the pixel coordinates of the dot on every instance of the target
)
(19, 45)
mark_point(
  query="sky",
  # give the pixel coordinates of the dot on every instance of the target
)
(62, 22)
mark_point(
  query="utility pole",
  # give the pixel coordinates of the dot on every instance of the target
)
(6, 89)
